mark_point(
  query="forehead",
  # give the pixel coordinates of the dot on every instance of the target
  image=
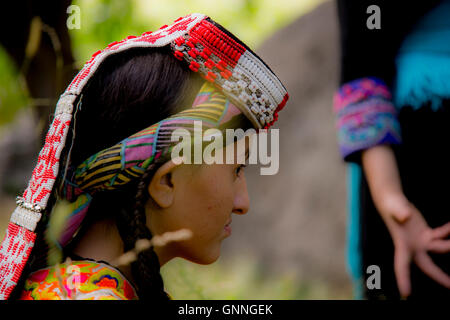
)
(238, 151)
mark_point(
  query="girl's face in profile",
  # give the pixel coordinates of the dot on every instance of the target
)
(204, 199)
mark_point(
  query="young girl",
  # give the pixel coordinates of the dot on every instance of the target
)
(108, 162)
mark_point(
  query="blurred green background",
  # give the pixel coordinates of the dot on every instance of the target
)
(237, 275)
(105, 21)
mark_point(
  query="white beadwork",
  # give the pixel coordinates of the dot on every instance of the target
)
(242, 84)
(26, 217)
(228, 86)
(262, 120)
(237, 74)
(244, 96)
(65, 104)
(253, 87)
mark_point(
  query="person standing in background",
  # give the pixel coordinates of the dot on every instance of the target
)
(393, 115)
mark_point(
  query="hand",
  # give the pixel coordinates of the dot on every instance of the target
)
(413, 239)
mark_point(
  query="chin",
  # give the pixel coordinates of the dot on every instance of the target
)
(205, 258)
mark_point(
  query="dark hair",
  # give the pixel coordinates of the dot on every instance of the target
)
(129, 92)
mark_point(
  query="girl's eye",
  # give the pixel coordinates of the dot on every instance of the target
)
(239, 169)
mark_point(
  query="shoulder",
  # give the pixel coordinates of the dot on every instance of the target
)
(79, 280)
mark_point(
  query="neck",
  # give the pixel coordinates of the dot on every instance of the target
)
(102, 242)
(163, 255)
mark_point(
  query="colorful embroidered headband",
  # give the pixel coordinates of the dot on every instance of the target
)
(196, 40)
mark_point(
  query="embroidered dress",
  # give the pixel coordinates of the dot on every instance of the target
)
(81, 280)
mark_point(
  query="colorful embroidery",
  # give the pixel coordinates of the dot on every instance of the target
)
(365, 116)
(81, 280)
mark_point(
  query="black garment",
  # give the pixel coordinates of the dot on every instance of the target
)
(424, 165)
(371, 53)
(423, 159)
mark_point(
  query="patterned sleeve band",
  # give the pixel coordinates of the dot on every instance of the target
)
(245, 84)
(365, 117)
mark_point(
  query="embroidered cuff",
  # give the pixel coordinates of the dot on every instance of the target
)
(365, 116)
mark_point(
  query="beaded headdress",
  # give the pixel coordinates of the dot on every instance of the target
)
(208, 49)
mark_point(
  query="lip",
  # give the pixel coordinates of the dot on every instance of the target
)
(227, 228)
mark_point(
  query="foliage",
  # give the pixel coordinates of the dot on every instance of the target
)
(13, 94)
(242, 278)
(105, 21)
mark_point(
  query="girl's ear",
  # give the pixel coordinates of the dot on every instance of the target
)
(161, 187)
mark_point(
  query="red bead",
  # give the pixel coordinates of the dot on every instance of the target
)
(209, 64)
(190, 44)
(194, 66)
(207, 51)
(211, 76)
(179, 41)
(178, 55)
(203, 55)
(222, 63)
(226, 74)
(192, 53)
(96, 53)
(111, 44)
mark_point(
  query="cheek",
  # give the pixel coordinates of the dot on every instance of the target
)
(218, 194)
(206, 207)
(211, 201)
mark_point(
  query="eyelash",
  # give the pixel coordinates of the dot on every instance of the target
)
(239, 169)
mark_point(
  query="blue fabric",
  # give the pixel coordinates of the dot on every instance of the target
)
(354, 258)
(423, 61)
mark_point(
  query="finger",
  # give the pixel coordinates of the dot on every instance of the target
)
(442, 231)
(439, 246)
(432, 270)
(402, 262)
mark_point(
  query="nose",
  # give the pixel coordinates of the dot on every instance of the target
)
(241, 199)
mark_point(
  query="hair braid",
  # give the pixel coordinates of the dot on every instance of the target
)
(132, 227)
